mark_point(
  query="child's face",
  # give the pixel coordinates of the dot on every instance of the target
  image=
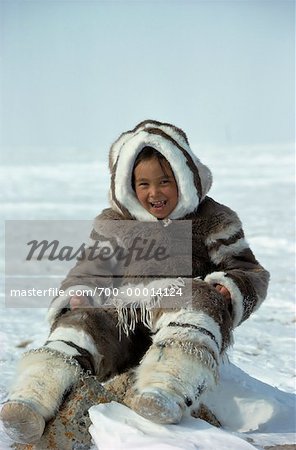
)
(156, 190)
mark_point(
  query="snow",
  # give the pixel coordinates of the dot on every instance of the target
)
(255, 399)
(246, 407)
(133, 432)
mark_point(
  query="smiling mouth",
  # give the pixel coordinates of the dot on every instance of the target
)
(158, 204)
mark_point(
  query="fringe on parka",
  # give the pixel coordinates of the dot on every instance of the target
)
(175, 347)
(220, 255)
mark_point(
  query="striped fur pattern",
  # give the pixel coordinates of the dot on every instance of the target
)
(183, 361)
(196, 337)
(194, 179)
(177, 351)
(220, 252)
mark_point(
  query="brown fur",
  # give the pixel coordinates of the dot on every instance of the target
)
(101, 325)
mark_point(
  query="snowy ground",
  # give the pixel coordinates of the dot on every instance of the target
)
(257, 182)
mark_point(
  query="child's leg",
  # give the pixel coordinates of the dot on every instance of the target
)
(183, 360)
(80, 340)
(43, 377)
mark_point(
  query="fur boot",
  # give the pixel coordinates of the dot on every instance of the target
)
(44, 377)
(179, 367)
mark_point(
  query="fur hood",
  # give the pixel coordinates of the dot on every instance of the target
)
(193, 178)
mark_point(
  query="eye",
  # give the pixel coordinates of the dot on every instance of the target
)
(165, 181)
(142, 184)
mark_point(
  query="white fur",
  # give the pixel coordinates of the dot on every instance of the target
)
(168, 317)
(78, 337)
(123, 189)
(204, 172)
(124, 138)
(187, 335)
(226, 233)
(196, 318)
(174, 372)
(127, 150)
(42, 381)
(62, 347)
(235, 293)
(227, 250)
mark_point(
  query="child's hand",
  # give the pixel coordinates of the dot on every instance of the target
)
(78, 301)
(223, 290)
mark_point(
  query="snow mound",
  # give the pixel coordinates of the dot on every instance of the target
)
(117, 426)
(248, 410)
(244, 404)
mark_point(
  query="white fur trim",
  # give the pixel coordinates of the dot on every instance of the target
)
(228, 250)
(204, 172)
(127, 149)
(168, 317)
(62, 347)
(78, 337)
(124, 138)
(186, 335)
(196, 318)
(235, 293)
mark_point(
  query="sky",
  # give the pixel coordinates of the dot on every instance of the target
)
(76, 73)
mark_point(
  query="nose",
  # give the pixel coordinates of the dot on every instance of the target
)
(153, 191)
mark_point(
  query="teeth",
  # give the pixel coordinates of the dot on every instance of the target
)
(160, 203)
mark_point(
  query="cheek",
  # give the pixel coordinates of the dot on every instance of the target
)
(172, 193)
(140, 196)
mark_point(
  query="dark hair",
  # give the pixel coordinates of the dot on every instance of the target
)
(145, 154)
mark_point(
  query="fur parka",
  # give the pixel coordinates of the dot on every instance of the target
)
(220, 253)
(173, 343)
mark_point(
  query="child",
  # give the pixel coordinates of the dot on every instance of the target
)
(155, 178)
